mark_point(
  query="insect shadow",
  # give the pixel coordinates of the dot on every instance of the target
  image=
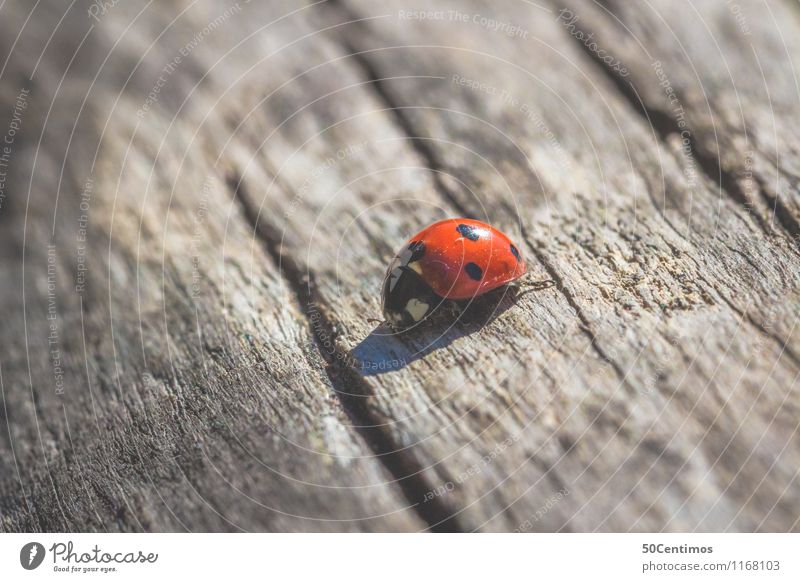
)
(386, 350)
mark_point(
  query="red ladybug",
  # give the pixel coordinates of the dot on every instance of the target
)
(457, 258)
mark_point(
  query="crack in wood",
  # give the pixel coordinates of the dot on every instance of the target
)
(743, 314)
(377, 83)
(780, 210)
(746, 316)
(350, 388)
(665, 125)
(586, 326)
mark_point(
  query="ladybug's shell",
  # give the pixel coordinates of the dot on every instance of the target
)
(461, 258)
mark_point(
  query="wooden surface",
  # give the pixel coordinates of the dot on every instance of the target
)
(204, 360)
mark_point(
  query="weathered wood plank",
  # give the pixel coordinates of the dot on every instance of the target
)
(634, 244)
(192, 393)
(339, 299)
(716, 81)
(655, 387)
(726, 72)
(303, 197)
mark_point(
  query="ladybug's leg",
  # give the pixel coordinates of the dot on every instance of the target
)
(539, 285)
(450, 309)
(525, 287)
(455, 308)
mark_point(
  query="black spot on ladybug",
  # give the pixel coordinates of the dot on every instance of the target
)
(468, 231)
(417, 249)
(474, 271)
(515, 252)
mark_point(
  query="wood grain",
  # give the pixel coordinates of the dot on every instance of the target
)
(221, 368)
(193, 396)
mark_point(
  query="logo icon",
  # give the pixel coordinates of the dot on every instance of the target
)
(31, 555)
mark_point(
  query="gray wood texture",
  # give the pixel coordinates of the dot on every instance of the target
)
(205, 359)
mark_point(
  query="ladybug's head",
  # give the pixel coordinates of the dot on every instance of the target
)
(406, 298)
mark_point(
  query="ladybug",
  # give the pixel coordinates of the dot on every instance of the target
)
(457, 258)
